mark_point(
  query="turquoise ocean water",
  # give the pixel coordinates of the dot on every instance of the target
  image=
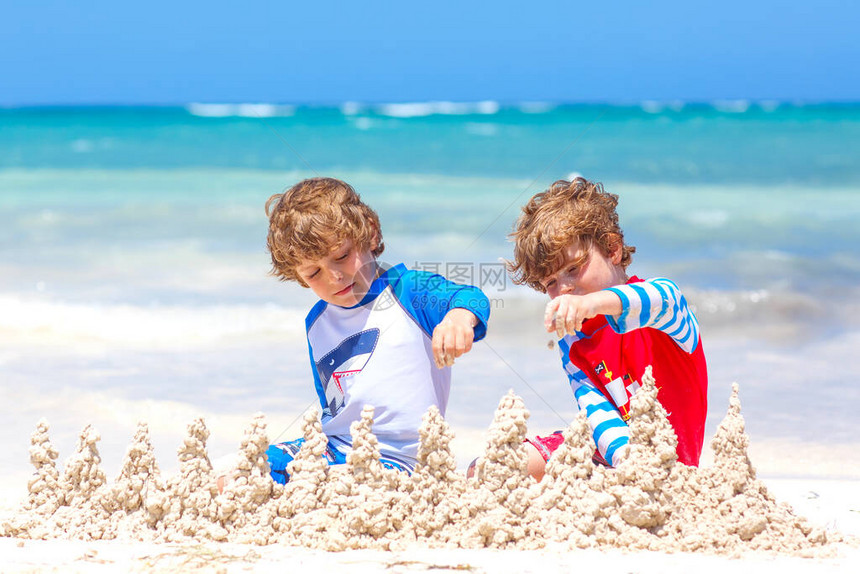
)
(133, 271)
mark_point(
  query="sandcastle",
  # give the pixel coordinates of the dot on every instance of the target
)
(650, 501)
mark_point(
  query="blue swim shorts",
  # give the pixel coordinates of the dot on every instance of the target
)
(283, 453)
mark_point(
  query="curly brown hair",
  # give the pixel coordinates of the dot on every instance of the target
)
(568, 211)
(311, 218)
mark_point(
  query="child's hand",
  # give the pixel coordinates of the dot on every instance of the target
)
(453, 336)
(566, 313)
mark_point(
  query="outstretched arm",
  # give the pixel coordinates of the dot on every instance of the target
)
(655, 303)
(659, 304)
(611, 434)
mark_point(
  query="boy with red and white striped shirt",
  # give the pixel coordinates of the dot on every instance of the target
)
(569, 245)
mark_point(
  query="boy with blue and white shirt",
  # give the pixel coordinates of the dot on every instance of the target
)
(380, 337)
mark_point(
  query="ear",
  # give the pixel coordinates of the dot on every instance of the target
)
(616, 249)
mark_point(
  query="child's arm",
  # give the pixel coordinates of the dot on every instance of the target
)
(655, 303)
(611, 434)
(609, 430)
(658, 304)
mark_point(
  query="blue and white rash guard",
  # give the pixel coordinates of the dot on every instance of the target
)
(379, 353)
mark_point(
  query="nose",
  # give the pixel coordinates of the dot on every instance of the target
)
(558, 289)
(566, 286)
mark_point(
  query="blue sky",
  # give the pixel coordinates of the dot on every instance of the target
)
(157, 52)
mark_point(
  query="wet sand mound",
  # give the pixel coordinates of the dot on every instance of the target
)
(650, 501)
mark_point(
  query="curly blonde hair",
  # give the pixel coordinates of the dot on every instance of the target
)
(568, 211)
(311, 218)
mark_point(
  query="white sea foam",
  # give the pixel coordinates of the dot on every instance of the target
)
(422, 109)
(352, 108)
(211, 110)
(731, 106)
(769, 314)
(651, 107)
(363, 123)
(47, 321)
(240, 110)
(657, 107)
(709, 218)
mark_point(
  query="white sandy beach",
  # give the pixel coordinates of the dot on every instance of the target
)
(97, 557)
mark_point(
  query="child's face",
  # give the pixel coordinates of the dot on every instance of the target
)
(343, 276)
(585, 271)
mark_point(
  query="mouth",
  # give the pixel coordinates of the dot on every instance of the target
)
(345, 290)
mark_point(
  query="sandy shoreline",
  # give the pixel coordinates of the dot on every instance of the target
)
(20, 556)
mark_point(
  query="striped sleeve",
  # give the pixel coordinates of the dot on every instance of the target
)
(608, 429)
(659, 304)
